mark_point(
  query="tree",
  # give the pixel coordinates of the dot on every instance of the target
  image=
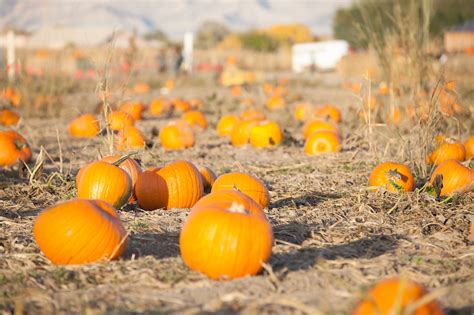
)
(259, 41)
(157, 35)
(210, 33)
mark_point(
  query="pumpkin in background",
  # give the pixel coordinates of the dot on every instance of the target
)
(141, 88)
(394, 117)
(265, 134)
(302, 111)
(240, 134)
(318, 125)
(129, 138)
(84, 126)
(118, 120)
(196, 103)
(245, 183)
(248, 101)
(252, 113)
(268, 88)
(13, 147)
(275, 102)
(370, 103)
(226, 124)
(12, 95)
(449, 150)
(159, 106)
(80, 231)
(469, 146)
(104, 181)
(170, 84)
(394, 296)
(130, 166)
(208, 177)
(177, 135)
(328, 112)
(394, 177)
(321, 142)
(454, 177)
(383, 88)
(8, 118)
(195, 119)
(180, 105)
(134, 109)
(226, 239)
(236, 90)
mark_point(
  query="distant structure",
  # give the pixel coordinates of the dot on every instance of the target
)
(459, 38)
(318, 56)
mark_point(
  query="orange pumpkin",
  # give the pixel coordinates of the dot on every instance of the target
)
(455, 178)
(84, 126)
(248, 101)
(196, 103)
(252, 113)
(328, 112)
(195, 119)
(302, 111)
(245, 183)
(383, 88)
(130, 166)
(177, 135)
(236, 90)
(104, 181)
(141, 88)
(226, 239)
(176, 185)
(449, 150)
(80, 231)
(226, 198)
(170, 84)
(8, 118)
(268, 88)
(12, 95)
(118, 120)
(159, 107)
(240, 134)
(370, 103)
(321, 142)
(129, 138)
(318, 125)
(13, 147)
(265, 134)
(394, 177)
(226, 124)
(208, 177)
(134, 109)
(394, 117)
(469, 146)
(275, 102)
(180, 105)
(394, 296)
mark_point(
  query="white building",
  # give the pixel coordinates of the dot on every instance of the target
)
(320, 55)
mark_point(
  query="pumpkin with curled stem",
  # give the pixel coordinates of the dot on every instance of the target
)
(130, 166)
(322, 142)
(80, 231)
(13, 148)
(452, 177)
(394, 177)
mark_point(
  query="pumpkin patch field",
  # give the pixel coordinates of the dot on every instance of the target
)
(294, 195)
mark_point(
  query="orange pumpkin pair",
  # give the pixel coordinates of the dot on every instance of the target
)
(130, 166)
(177, 135)
(84, 126)
(394, 177)
(13, 148)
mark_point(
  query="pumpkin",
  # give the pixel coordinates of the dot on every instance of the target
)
(245, 183)
(240, 134)
(180, 105)
(280, 90)
(226, 198)
(159, 106)
(328, 112)
(80, 231)
(318, 125)
(394, 177)
(130, 166)
(134, 109)
(252, 113)
(84, 126)
(394, 296)
(454, 177)
(196, 103)
(248, 101)
(302, 111)
(12, 95)
(383, 88)
(176, 185)
(448, 150)
(321, 142)
(226, 125)
(129, 138)
(13, 147)
(8, 118)
(226, 239)
(394, 117)
(208, 177)
(236, 90)
(265, 134)
(195, 119)
(141, 88)
(170, 84)
(370, 103)
(469, 146)
(104, 181)
(177, 135)
(268, 88)
(117, 120)
(275, 102)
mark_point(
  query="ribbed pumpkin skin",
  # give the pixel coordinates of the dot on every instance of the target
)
(245, 183)
(318, 125)
(225, 199)
(447, 151)
(84, 126)
(224, 244)
(390, 175)
(104, 181)
(13, 147)
(265, 134)
(8, 118)
(151, 190)
(226, 124)
(469, 146)
(329, 112)
(456, 177)
(80, 231)
(392, 296)
(208, 177)
(130, 166)
(321, 142)
(195, 119)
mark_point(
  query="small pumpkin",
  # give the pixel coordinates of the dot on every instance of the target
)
(469, 146)
(177, 135)
(195, 119)
(159, 106)
(302, 111)
(84, 126)
(226, 124)
(180, 105)
(240, 134)
(321, 142)
(104, 181)
(452, 178)
(328, 112)
(8, 118)
(170, 84)
(252, 113)
(394, 117)
(13, 147)
(80, 231)
(394, 296)
(370, 103)
(235, 90)
(129, 138)
(130, 166)
(265, 134)
(141, 88)
(118, 120)
(134, 109)
(448, 150)
(196, 103)
(245, 183)
(318, 125)
(208, 177)
(275, 102)
(394, 177)
(226, 241)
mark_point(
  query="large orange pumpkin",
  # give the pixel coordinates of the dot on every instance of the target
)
(84, 126)
(177, 135)
(226, 239)
(469, 146)
(454, 178)
(321, 142)
(394, 177)
(449, 150)
(318, 125)
(129, 138)
(8, 118)
(245, 183)
(134, 109)
(13, 147)
(226, 124)
(195, 119)
(80, 231)
(208, 177)
(328, 112)
(104, 181)
(159, 107)
(265, 134)
(130, 166)
(394, 296)
(117, 120)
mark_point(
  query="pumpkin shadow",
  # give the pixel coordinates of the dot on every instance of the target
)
(158, 245)
(306, 257)
(460, 311)
(311, 198)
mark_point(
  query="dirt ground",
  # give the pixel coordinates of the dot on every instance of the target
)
(333, 238)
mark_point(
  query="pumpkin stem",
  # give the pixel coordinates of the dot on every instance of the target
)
(19, 144)
(238, 208)
(124, 158)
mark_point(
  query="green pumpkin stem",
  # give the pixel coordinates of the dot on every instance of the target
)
(124, 158)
